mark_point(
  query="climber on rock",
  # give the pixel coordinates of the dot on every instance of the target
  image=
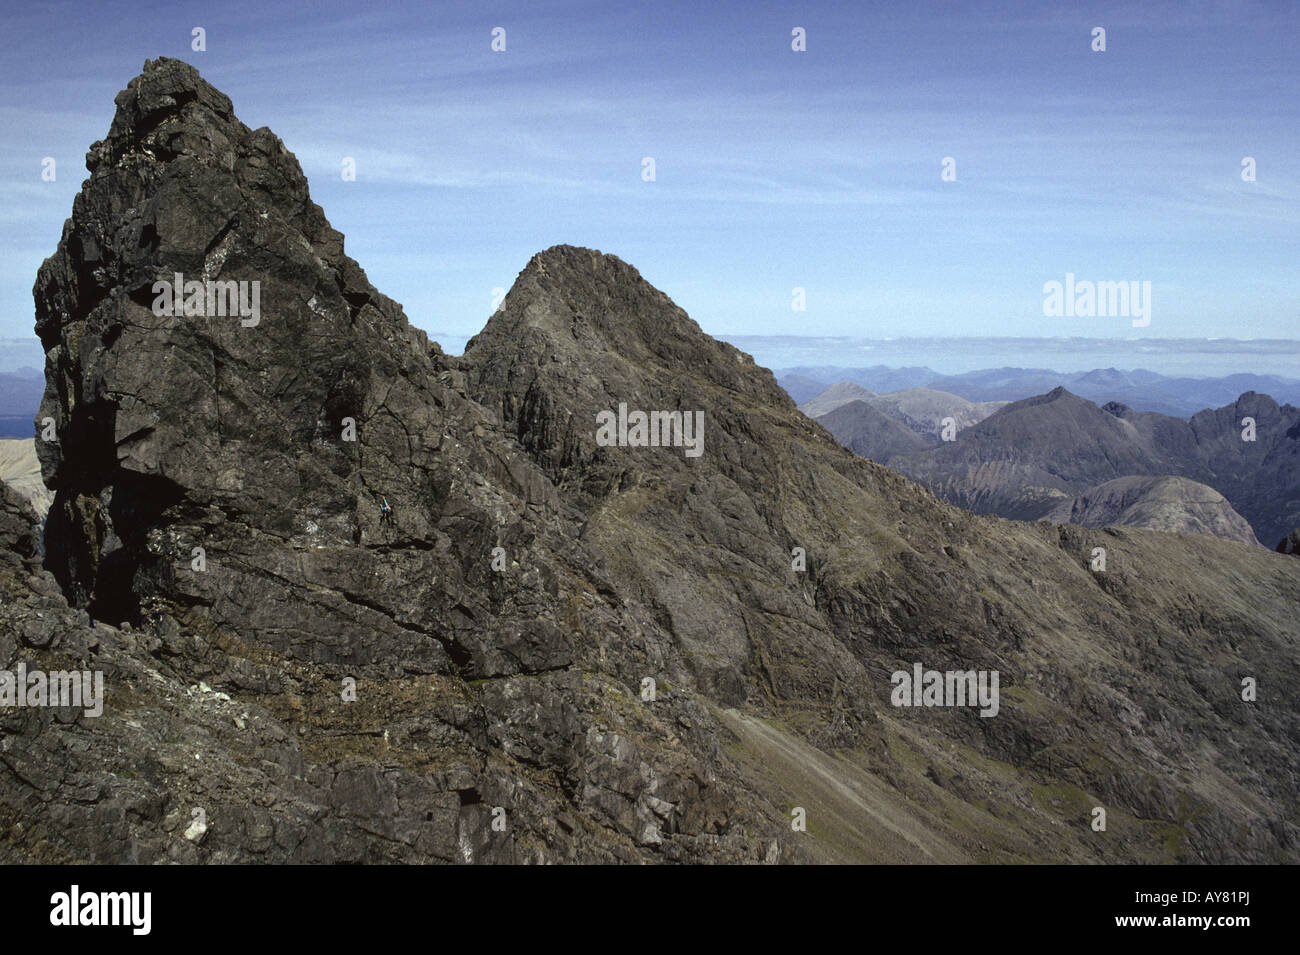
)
(385, 511)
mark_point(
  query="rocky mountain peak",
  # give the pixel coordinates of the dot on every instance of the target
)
(581, 333)
(210, 342)
(166, 112)
(1057, 394)
(581, 307)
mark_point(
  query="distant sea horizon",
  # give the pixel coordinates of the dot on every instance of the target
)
(1177, 357)
(1187, 357)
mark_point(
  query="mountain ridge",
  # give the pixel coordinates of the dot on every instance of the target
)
(502, 622)
(1025, 457)
(1175, 395)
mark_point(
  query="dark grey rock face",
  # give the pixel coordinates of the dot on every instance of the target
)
(1290, 544)
(19, 525)
(215, 517)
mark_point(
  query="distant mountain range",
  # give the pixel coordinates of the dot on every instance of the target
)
(1033, 458)
(1139, 389)
(922, 410)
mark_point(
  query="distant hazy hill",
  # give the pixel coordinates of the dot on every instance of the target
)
(1159, 503)
(802, 388)
(833, 397)
(871, 433)
(20, 469)
(1139, 389)
(879, 379)
(923, 409)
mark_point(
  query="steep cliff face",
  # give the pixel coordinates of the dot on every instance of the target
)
(542, 566)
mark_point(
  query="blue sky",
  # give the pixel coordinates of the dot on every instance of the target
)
(774, 169)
